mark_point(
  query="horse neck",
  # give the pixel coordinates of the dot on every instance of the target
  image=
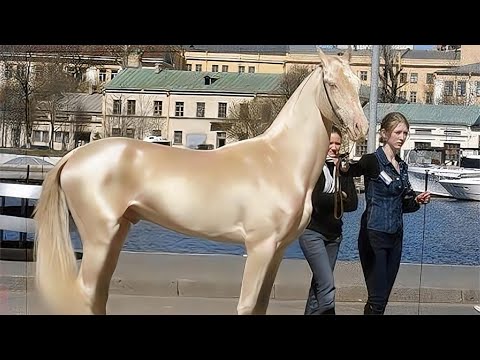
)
(301, 131)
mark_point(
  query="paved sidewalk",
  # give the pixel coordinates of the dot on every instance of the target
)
(220, 276)
(16, 303)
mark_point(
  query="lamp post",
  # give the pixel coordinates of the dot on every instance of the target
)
(372, 126)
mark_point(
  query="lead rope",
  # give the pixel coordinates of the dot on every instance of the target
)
(336, 194)
(423, 245)
(338, 190)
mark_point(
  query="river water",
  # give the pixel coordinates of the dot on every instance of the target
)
(449, 235)
(452, 236)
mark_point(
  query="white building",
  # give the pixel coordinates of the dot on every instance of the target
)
(185, 107)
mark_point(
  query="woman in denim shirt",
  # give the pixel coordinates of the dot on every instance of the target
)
(388, 195)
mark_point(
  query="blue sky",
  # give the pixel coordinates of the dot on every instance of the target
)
(423, 47)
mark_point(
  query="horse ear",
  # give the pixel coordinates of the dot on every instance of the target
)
(347, 55)
(323, 57)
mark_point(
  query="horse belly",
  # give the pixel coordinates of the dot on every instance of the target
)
(194, 212)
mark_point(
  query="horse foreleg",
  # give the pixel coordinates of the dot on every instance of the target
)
(261, 267)
(101, 249)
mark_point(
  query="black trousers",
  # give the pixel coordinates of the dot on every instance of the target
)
(380, 254)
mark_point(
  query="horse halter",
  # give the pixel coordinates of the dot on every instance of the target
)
(342, 126)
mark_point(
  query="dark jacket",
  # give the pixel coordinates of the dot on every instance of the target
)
(323, 219)
(385, 203)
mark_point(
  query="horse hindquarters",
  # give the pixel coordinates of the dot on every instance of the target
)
(56, 268)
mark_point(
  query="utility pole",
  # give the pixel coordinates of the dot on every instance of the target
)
(372, 126)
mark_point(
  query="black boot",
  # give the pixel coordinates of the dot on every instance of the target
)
(370, 309)
(329, 312)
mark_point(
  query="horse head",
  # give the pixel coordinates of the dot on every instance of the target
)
(340, 91)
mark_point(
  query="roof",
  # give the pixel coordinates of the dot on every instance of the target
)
(431, 54)
(470, 69)
(262, 49)
(194, 81)
(78, 102)
(431, 114)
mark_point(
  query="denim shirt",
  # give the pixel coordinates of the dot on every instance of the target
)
(384, 203)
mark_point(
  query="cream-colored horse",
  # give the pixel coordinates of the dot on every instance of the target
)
(255, 192)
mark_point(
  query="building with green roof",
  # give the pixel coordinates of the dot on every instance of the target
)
(185, 107)
(453, 128)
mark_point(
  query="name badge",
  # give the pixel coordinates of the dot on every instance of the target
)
(385, 178)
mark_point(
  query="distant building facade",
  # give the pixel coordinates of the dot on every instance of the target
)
(186, 108)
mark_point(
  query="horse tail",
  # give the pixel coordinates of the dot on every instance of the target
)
(56, 268)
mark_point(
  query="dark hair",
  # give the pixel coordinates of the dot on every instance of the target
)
(337, 131)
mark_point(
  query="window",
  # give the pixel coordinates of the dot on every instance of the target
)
(423, 131)
(177, 137)
(222, 110)
(62, 137)
(452, 132)
(189, 67)
(41, 136)
(452, 152)
(131, 133)
(116, 132)
(266, 112)
(413, 96)
(241, 69)
(179, 106)
(198, 67)
(251, 69)
(221, 138)
(403, 77)
(113, 74)
(39, 72)
(214, 68)
(244, 111)
(131, 107)
(361, 148)
(102, 75)
(8, 71)
(157, 108)
(448, 89)
(414, 78)
(21, 71)
(461, 88)
(422, 145)
(429, 78)
(429, 97)
(117, 107)
(477, 86)
(363, 76)
(200, 109)
(224, 68)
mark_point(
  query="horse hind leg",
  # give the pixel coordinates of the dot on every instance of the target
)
(102, 244)
(261, 267)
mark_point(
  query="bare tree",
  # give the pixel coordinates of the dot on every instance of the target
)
(292, 79)
(11, 116)
(33, 77)
(53, 86)
(251, 118)
(389, 74)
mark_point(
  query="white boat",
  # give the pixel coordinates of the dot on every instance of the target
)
(437, 173)
(421, 161)
(463, 188)
(157, 140)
